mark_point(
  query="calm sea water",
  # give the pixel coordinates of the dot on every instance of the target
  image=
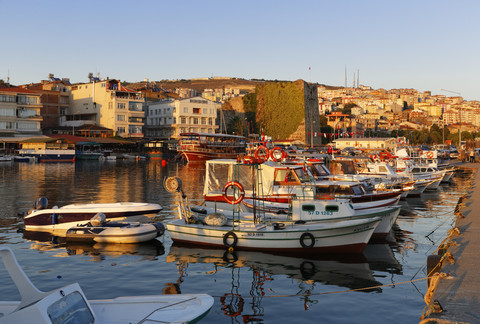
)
(382, 285)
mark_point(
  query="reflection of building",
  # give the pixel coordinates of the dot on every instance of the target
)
(108, 104)
(19, 112)
(169, 118)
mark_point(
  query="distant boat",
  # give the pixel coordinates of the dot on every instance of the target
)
(69, 304)
(205, 146)
(48, 150)
(161, 150)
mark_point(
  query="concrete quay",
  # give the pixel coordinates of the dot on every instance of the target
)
(454, 293)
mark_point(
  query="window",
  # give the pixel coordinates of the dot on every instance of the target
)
(204, 121)
(183, 120)
(195, 121)
(121, 130)
(197, 110)
(185, 109)
(120, 117)
(121, 105)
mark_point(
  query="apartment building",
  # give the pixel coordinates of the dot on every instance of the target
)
(108, 104)
(19, 112)
(54, 100)
(170, 118)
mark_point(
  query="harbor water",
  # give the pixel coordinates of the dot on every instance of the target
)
(386, 283)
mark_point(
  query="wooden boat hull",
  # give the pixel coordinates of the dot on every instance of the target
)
(342, 237)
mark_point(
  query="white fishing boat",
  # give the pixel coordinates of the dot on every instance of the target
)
(312, 210)
(295, 236)
(100, 231)
(68, 304)
(41, 218)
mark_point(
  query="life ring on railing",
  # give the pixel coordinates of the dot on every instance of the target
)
(429, 154)
(261, 152)
(226, 238)
(308, 236)
(237, 200)
(273, 154)
(419, 151)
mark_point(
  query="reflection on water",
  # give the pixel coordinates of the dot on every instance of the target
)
(44, 241)
(313, 289)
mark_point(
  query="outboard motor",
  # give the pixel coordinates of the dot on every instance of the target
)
(98, 220)
(160, 228)
(40, 203)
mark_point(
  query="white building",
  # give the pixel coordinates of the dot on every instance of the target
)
(108, 104)
(19, 112)
(170, 118)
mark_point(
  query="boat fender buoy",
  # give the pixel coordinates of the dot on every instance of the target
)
(226, 239)
(234, 200)
(430, 154)
(274, 155)
(261, 152)
(307, 236)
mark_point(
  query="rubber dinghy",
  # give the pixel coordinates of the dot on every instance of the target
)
(69, 304)
(101, 231)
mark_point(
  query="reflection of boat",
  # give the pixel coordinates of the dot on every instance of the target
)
(352, 272)
(100, 231)
(46, 241)
(42, 218)
(380, 257)
(69, 304)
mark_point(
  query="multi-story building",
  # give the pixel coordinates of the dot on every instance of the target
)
(170, 118)
(108, 104)
(19, 112)
(55, 98)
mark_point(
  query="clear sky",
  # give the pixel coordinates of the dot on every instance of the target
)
(421, 44)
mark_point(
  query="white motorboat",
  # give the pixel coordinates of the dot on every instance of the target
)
(68, 304)
(41, 218)
(100, 231)
(295, 236)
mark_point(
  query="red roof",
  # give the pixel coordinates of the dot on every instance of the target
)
(18, 90)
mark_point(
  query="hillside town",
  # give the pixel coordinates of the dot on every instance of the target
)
(149, 110)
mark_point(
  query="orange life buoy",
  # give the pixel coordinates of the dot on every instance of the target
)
(237, 185)
(273, 154)
(420, 151)
(261, 152)
(429, 154)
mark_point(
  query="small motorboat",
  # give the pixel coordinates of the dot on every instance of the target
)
(100, 230)
(69, 305)
(41, 218)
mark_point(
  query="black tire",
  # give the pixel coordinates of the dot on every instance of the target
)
(235, 239)
(307, 236)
